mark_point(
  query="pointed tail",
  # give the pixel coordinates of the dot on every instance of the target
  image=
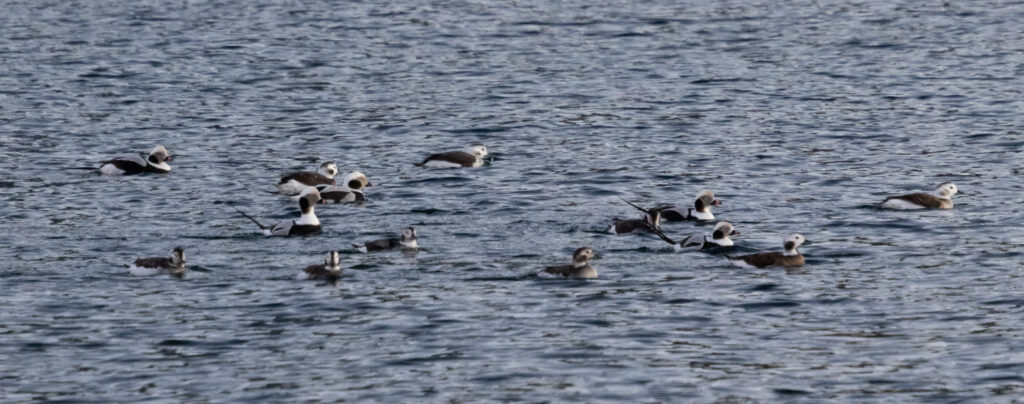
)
(262, 227)
(656, 230)
(647, 211)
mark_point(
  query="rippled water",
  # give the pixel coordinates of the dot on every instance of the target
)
(800, 116)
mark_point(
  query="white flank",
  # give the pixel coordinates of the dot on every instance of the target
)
(110, 169)
(143, 271)
(291, 187)
(441, 164)
(742, 264)
(900, 204)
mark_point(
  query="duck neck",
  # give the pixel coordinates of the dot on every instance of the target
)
(308, 219)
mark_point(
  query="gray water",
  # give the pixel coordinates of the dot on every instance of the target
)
(801, 116)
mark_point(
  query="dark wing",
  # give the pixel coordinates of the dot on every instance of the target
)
(342, 196)
(130, 165)
(282, 228)
(761, 260)
(382, 244)
(926, 200)
(674, 215)
(317, 271)
(156, 262)
(692, 241)
(308, 178)
(457, 157)
(631, 225)
(561, 270)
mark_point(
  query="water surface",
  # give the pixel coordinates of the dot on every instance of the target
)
(800, 116)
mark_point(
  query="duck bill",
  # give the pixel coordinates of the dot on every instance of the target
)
(716, 202)
(734, 233)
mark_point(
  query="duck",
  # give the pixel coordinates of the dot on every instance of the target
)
(651, 220)
(294, 183)
(720, 237)
(472, 156)
(406, 241)
(308, 224)
(701, 210)
(579, 269)
(350, 189)
(173, 265)
(789, 258)
(329, 271)
(940, 198)
(155, 163)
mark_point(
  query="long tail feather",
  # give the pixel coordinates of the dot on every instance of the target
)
(647, 211)
(656, 230)
(262, 227)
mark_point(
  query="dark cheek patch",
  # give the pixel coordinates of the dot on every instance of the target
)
(153, 159)
(699, 205)
(304, 205)
(355, 184)
(789, 245)
(718, 234)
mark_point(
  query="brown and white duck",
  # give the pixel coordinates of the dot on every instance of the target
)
(308, 223)
(473, 156)
(173, 265)
(329, 271)
(294, 183)
(720, 237)
(701, 210)
(790, 257)
(406, 241)
(155, 163)
(940, 198)
(580, 268)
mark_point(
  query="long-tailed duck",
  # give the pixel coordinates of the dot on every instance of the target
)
(580, 268)
(471, 157)
(294, 183)
(940, 198)
(789, 258)
(329, 271)
(719, 237)
(174, 266)
(350, 189)
(307, 224)
(651, 219)
(701, 210)
(155, 163)
(406, 241)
